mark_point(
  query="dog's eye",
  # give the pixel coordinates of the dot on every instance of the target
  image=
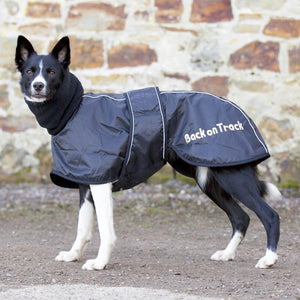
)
(29, 72)
(51, 73)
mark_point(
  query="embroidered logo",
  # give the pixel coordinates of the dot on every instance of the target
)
(217, 129)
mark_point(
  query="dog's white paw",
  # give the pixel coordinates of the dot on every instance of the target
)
(223, 255)
(268, 260)
(67, 256)
(94, 264)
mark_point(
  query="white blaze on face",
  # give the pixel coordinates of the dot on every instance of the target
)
(39, 78)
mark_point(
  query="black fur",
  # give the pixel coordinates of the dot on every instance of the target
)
(23, 52)
(226, 185)
(85, 194)
(62, 52)
(237, 216)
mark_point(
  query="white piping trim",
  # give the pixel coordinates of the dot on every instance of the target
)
(246, 117)
(224, 100)
(163, 123)
(132, 133)
(103, 95)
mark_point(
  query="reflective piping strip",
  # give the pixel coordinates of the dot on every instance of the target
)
(266, 149)
(132, 132)
(98, 96)
(224, 100)
(163, 124)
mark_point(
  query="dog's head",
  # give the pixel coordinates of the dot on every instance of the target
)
(41, 74)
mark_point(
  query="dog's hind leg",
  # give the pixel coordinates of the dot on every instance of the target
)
(242, 184)
(238, 218)
(84, 228)
(102, 195)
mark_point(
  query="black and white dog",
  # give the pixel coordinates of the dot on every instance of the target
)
(46, 76)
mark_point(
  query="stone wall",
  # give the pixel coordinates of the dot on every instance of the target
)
(245, 50)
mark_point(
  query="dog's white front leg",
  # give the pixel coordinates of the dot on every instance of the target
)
(102, 195)
(84, 233)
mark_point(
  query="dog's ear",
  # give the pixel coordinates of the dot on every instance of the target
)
(23, 51)
(62, 52)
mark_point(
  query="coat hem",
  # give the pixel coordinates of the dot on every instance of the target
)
(66, 182)
(255, 159)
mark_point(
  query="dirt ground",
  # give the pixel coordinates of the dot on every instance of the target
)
(166, 235)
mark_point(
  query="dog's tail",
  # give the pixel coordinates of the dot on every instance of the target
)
(269, 191)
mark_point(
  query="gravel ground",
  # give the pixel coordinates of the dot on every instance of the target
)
(166, 234)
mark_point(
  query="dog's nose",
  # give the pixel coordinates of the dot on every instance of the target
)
(38, 86)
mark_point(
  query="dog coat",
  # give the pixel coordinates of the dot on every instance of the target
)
(125, 138)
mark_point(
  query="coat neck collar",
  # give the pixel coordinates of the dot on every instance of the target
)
(54, 114)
